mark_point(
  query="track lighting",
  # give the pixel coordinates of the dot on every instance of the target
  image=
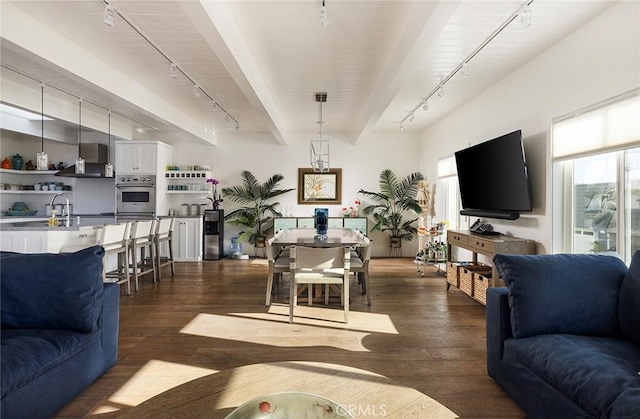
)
(524, 12)
(237, 127)
(214, 105)
(411, 117)
(196, 90)
(324, 20)
(401, 127)
(109, 15)
(226, 118)
(173, 71)
(525, 16)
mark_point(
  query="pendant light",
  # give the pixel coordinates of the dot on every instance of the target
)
(80, 160)
(319, 150)
(108, 167)
(42, 159)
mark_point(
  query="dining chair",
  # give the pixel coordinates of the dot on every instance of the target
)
(359, 264)
(319, 265)
(164, 234)
(278, 264)
(142, 233)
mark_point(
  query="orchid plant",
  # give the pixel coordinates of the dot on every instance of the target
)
(216, 198)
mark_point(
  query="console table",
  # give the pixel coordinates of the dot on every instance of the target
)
(487, 246)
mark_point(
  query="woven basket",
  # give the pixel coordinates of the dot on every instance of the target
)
(480, 285)
(466, 276)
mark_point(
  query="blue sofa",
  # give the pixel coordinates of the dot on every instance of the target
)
(563, 337)
(59, 329)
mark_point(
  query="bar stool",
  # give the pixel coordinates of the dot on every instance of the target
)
(164, 234)
(114, 239)
(142, 238)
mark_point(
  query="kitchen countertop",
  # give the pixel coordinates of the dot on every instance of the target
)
(41, 224)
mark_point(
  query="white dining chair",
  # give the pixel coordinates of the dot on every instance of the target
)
(278, 264)
(319, 265)
(359, 264)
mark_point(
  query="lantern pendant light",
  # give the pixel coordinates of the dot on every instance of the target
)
(80, 160)
(42, 159)
(319, 149)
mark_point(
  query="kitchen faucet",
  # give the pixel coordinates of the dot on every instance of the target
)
(66, 212)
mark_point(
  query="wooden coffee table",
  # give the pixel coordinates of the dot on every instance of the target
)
(363, 393)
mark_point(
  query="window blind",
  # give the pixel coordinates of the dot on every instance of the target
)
(447, 166)
(608, 126)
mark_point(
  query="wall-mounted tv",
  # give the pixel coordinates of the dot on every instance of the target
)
(493, 178)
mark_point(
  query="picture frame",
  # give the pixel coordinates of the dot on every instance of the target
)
(319, 188)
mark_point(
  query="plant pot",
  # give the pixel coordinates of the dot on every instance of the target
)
(395, 242)
(261, 242)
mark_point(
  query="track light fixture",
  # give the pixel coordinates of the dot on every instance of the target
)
(524, 12)
(196, 90)
(425, 106)
(525, 16)
(411, 117)
(214, 105)
(173, 71)
(226, 118)
(324, 20)
(465, 71)
(237, 127)
(109, 15)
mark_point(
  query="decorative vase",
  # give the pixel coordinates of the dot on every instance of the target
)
(6, 164)
(17, 162)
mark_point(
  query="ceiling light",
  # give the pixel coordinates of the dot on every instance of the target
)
(441, 90)
(214, 105)
(173, 71)
(401, 127)
(465, 71)
(226, 118)
(237, 127)
(319, 149)
(425, 106)
(196, 90)
(109, 15)
(525, 17)
(42, 158)
(411, 117)
(324, 20)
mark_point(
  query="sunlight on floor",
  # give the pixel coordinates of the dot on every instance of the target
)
(153, 378)
(273, 328)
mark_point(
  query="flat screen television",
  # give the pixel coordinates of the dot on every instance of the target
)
(493, 178)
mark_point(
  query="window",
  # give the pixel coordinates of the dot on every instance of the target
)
(596, 166)
(448, 195)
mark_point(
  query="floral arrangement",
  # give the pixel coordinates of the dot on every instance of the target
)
(353, 210)
(216, 197)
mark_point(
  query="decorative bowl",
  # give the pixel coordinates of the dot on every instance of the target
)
(290, 405)
(14, 213)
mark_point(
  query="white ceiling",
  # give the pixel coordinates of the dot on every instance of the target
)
(263, 61)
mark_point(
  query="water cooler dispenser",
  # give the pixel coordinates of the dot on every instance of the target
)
(213, 240)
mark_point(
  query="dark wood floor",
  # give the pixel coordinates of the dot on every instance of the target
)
(212, 317)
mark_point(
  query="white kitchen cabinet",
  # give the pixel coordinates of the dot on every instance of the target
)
(136, 158)
(48, 241)
(187, 240)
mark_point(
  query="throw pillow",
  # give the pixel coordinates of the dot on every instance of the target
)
(629, 301)
(563, 293)
(51, 291)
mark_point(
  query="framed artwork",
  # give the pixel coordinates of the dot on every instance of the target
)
(319, 188)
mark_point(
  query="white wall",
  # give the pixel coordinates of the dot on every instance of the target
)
(598, 61)
(361, 167)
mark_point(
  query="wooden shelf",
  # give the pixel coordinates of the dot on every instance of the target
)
(30, 172)
(34, 192)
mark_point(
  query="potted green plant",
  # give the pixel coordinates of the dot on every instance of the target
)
(391, 203)
(257, 210)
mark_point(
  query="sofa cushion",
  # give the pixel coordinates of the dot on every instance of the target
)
(51, 291)
(600, 374)
(551, 293)
(27, 354)
(629, 301)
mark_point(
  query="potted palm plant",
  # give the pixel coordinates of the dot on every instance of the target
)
(394, 199)
(258, 208)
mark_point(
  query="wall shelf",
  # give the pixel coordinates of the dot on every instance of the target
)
(30, 172)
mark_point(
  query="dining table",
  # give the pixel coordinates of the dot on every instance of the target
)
(309, 237)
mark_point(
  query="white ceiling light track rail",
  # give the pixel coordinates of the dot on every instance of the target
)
(60, 89)
(525, 19)
(174, 68)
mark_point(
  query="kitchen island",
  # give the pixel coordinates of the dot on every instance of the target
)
(35, 236)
